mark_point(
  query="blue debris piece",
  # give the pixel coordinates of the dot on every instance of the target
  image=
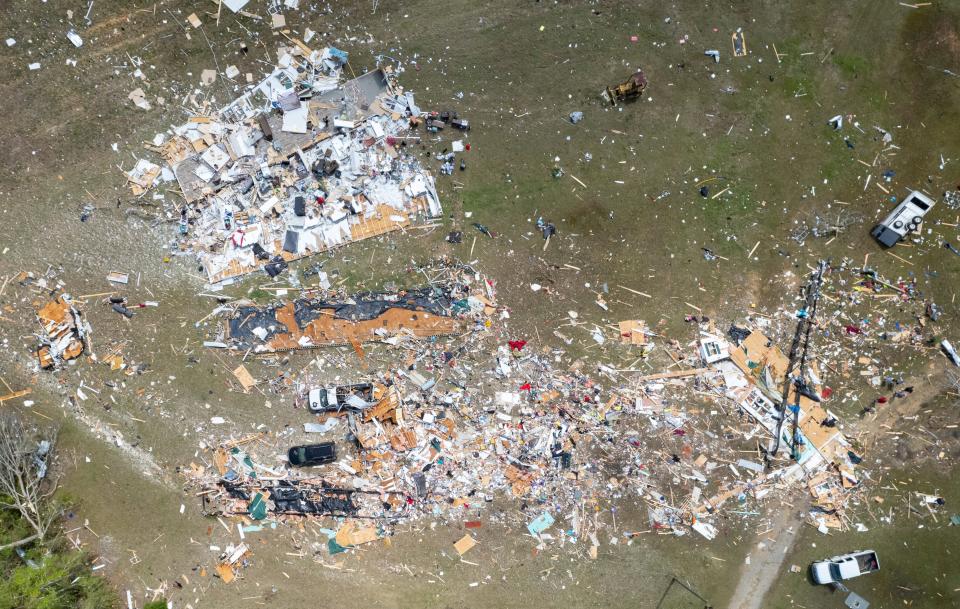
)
(540, 524)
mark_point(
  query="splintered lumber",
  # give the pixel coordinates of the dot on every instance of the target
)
(673, 375)
(14, 395)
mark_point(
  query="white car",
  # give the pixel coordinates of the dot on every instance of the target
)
(904, 218)
(337, 398)
(845, 566)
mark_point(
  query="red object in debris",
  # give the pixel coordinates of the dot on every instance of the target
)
(826, 393)
(853, 330)
(321, 200)
(409, 500)
(391, 141)
(882, 400)
(473, 524)
(516, 345)
(468, 147)
(525, 387)
(679, 432)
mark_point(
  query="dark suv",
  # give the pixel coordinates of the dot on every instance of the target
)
(312, 454)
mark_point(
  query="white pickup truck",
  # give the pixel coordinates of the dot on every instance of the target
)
(845, 566)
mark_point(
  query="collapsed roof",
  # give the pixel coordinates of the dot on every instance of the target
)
(299, 164)
(308, 323)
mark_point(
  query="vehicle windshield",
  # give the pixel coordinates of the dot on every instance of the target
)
(835, 572)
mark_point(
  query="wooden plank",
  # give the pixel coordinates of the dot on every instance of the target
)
(352, 534)
(14, 395)
(243, 375)
(632, 332)
(673, 375)
(465, 544)
(226, 573)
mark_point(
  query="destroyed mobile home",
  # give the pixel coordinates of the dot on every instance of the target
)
(820, 453)
(64, 332)
(557, 440)
(236, 495)
(300, 164)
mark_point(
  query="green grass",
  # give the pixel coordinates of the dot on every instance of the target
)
(852, 66)
(261, 296)
(797, 85)
(835, 157)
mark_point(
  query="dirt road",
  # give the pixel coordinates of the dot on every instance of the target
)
(766, 564)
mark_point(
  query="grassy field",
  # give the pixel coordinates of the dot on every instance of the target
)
(755, 126)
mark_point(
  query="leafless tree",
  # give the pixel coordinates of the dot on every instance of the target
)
(25, 486)
(953, 383)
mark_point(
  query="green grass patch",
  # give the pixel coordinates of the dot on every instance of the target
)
(260, 296)
(852, 66)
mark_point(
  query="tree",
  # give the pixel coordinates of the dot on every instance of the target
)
(25, 486)
(49, 573)
(56, 577)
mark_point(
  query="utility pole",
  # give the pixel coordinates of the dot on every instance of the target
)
(794, 381)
